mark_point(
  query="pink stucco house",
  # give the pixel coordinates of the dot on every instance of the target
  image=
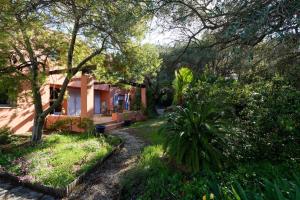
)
(85, 98)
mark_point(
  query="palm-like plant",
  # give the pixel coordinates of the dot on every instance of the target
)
(195, 136)
(183, 77)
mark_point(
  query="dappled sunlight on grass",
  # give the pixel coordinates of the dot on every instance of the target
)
(59, 159)
(149, 130)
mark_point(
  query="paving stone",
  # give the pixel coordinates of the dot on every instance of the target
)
(3, 193)
(23, 193)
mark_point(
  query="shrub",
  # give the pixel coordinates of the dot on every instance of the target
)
(5, 135)
(267, 120)
(279, 189)
(194, 135)
(62, 125)
(263, 118)
(87, 124)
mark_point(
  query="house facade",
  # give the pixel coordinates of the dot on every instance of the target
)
(85, 98)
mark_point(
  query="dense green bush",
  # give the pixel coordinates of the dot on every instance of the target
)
(87, 124)
(266, 120)
(253, 121)
(195, 134)
(5, 135)
(156, 179)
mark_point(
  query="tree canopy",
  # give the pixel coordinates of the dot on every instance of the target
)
(72, 35)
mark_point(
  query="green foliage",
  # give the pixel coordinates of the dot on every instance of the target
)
(136, 105)
(5, 135)
(262, 117)
(87, 124)
(194, 134)
(266, 120)
(59, 159)
(63, 125)
(74, 35)
(135, 62)
(183, 77)
(157, 178)
(278, 189)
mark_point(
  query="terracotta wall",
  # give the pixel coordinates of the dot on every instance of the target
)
(20, 118)
(87, 96)
(144, 97)
(129, 115)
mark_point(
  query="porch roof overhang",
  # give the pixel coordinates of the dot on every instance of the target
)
(88, 69)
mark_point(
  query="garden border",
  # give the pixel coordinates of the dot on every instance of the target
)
(64, 191)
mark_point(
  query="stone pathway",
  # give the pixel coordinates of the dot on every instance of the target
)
(12, 192)
(104, 183)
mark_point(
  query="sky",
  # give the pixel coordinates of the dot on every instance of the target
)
(160, 36)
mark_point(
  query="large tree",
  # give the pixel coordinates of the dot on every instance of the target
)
(78, 31)
(243, 33)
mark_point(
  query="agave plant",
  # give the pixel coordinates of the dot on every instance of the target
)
(195, 134)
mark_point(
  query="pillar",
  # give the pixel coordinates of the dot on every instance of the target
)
(144, 97)
(87, 96)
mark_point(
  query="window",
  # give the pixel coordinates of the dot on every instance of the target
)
(54, 55)
(54, 92)
(4, 99)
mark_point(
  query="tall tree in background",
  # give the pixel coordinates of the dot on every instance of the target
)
(245, 35)
(79, 30)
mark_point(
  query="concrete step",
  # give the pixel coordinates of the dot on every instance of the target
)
(112, 126)
(103, 120)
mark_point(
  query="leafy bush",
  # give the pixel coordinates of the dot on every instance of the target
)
(194, 134)
(262, 118)
(5, 135)
(279, 189)
(155, 179)
(87, 124)
(267, 120)
(62, 125)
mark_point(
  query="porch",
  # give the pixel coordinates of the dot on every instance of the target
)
(103, 103)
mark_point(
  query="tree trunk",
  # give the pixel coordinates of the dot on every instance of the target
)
(37, 130)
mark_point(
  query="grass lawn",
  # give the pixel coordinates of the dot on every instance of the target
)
(59, 159)
(155, 177)
(148, 130)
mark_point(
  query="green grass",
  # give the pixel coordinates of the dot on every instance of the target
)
(59, 159)
(149, 130)
(155, 177)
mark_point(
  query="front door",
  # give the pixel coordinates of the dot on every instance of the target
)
(74, 102)
(97, 103)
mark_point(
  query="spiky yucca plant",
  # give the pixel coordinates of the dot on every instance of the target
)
(195, 136)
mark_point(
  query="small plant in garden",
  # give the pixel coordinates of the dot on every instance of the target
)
(62, 125)
(194, 136)
(88, 125)
(183, 77)
(5, 135)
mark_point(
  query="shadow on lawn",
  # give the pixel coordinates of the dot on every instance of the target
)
(20, 150)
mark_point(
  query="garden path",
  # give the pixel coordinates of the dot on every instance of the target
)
(104, 183)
